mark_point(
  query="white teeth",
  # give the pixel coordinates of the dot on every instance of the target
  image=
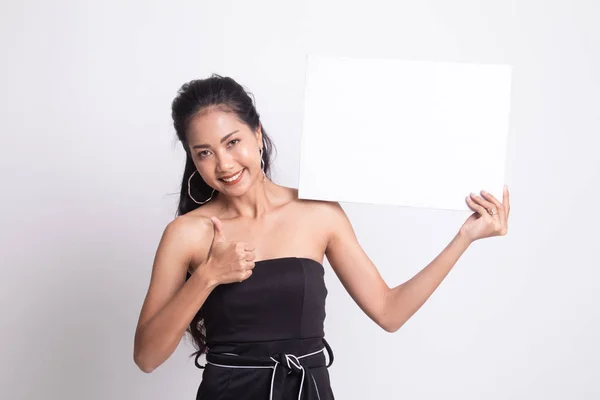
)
(233, 178)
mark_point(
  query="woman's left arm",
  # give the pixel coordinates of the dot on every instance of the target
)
(389, 307)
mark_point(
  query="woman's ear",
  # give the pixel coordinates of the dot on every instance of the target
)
(259, 135)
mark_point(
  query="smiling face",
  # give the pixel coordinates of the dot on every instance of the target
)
(221, 147)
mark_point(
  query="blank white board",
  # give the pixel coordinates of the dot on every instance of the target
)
(406, 133)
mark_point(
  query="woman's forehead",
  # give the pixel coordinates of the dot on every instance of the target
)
(213, 125)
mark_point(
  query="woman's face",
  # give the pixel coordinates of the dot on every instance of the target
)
(222, 146)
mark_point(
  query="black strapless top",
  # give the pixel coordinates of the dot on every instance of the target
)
(265, 335)
(284, 298)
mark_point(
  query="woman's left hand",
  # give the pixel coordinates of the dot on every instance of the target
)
(490, 217)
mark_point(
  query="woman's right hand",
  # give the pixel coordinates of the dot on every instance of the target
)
(227, 262)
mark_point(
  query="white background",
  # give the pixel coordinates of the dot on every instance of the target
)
(90, 172)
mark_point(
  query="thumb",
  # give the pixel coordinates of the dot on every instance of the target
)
(219, 235)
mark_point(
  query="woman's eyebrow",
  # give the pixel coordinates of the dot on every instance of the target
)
(224, 138)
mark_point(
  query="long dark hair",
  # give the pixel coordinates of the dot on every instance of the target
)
(192, 98)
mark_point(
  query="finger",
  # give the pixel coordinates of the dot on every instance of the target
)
(250, 256)
(249, 265)
(506, 200)
(480, 200)
(498, 206)
(219, 235)
(476, 207)
(245, 275)
(490, 197)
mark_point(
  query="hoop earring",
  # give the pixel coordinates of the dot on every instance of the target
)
(190, 193)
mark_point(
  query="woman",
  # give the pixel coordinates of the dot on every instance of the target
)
(241, 266)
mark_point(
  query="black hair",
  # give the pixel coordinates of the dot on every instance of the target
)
(192, 98)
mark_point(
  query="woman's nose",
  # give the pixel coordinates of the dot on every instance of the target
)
(224, 163)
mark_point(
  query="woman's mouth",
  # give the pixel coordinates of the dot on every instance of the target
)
(234, 179)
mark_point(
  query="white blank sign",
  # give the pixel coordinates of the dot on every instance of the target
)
(407, 133)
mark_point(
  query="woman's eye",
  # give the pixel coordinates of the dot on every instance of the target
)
(203, 154)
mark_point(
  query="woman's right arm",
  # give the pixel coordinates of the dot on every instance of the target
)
(172, 302)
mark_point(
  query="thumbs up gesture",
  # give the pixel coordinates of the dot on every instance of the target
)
(228, 262)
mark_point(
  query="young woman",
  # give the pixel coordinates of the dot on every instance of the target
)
(241, 267)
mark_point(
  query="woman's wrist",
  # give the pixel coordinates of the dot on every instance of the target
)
(202, 276)
(463, 238)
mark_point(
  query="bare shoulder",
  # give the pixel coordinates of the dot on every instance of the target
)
(328, 216)
(189, 226)
(191, 234)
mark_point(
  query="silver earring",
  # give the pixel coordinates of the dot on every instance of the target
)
(190, 193)
(262, 162)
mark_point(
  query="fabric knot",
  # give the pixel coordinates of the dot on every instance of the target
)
(291, 363)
